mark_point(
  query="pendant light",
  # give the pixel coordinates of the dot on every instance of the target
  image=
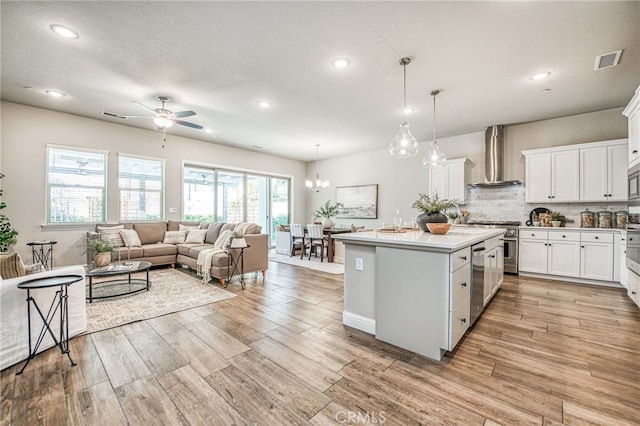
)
(434, 158)
(404, 145)
(318, 185)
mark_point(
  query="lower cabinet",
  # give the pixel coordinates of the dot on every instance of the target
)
(587, 255)
(633, 288)
(493, 267)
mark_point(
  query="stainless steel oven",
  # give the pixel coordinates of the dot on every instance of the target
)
(510, 242)
(633, 186)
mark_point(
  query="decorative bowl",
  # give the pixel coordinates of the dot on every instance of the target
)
(438, 228)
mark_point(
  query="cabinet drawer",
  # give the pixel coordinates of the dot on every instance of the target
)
(533, 235)
(564, 236)
(493, 242)
(460, 286)
(596, 237)
(459, 258)
(459, 322)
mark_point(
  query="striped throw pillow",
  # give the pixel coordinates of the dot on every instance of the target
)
(111, 233)
(11, 266)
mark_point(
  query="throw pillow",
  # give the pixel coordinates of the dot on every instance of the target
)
(223, 239)
(213, 232)
(33, 269)
(196, 236)
(182, 227)
(130, 238)
(11, 266)
(112, 234)
(174, 237)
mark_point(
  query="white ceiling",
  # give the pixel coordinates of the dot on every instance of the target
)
(220, 58)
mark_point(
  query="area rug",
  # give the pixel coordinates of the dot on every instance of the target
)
(170, 291)
(313, 263)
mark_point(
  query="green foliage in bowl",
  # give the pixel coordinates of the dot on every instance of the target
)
(430, 205)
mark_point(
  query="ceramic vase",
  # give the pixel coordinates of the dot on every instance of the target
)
(327, 223)
(425, 218)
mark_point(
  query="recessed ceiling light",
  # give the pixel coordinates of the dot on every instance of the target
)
(256, 146)
(341, 63)
(55, 94)
(28, 87)
(540, 75)
(264, 104)
(409, 110)
(64, 31)
(208, 130)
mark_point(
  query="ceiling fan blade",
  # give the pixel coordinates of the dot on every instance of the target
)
(151, 110)
(188, 124)
(181, 114)
(110, 114)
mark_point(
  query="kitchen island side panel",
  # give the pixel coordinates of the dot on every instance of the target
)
(412, 300)
(359, 287)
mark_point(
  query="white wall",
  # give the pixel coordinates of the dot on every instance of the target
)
(399, 181)
(27, 130)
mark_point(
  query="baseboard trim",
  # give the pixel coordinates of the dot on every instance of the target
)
(359, 322)
(575, 280)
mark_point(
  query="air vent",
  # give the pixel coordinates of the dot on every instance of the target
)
(607, 60)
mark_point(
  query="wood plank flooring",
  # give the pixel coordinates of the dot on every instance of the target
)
(543, 353)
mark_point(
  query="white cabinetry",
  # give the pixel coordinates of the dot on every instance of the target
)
(568, 253)
(552, 177)
(596, 256)
(595, 171)
(633, 290)
(563, 254)
(632, 112)
(620, 272)
(459, 295)
(450, 181)
(493, 267)
(603, 172)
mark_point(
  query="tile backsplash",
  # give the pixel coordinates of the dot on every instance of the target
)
(507, 203)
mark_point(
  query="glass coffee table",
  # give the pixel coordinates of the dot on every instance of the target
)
(104, 289)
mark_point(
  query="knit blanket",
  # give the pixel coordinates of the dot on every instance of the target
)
(203, 264)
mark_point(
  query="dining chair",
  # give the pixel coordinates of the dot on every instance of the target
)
(316, 240)
(343, 226)
(297, 239)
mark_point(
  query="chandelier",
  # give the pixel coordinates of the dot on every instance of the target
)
(318, 185)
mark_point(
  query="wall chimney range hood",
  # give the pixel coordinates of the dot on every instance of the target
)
(494, 159)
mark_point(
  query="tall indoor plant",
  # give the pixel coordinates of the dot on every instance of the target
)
(326, 212)
(432, 208)
(8, 235)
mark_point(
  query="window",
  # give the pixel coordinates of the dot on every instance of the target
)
(199, 194)
(141, 184)
(76, 185)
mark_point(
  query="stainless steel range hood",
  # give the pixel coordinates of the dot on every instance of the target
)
(494, 159)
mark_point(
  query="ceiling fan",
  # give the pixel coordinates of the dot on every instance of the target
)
(161, 116)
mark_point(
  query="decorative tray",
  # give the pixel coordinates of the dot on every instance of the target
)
(391, 231)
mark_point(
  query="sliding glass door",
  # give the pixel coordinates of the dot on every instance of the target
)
(234, 196)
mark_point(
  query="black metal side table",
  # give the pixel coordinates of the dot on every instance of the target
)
(236, 265)
(58, 305)
(41, 253)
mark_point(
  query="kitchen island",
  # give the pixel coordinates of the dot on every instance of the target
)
(413, 289)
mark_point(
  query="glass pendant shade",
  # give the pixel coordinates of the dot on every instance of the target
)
(318, 185)
(404, 145)
(434, 158)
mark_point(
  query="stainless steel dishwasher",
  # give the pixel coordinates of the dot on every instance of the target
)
(477, 281)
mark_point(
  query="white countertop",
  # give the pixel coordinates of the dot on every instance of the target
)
(455, 239)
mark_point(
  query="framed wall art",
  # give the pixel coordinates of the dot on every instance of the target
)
(360, 202)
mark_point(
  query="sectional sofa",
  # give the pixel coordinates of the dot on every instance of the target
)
(172, 242)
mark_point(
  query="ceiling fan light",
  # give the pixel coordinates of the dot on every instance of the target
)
(403, 145)
(163, 122)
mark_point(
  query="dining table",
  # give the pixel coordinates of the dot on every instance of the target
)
(329, 232)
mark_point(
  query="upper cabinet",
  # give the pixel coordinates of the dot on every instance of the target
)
(450, 181)
(632, 112)
(551, 176)
(593, 172)
(603, 172)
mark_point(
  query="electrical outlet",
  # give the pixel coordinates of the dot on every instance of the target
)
(359, 264)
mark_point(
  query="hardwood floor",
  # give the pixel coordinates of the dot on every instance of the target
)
(543, 353)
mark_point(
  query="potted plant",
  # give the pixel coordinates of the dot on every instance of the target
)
(101, 250)
(326, 212)
(7, 232)
(432, 208)
(557, 219)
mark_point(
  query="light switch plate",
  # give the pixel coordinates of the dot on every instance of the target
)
(173, 210)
